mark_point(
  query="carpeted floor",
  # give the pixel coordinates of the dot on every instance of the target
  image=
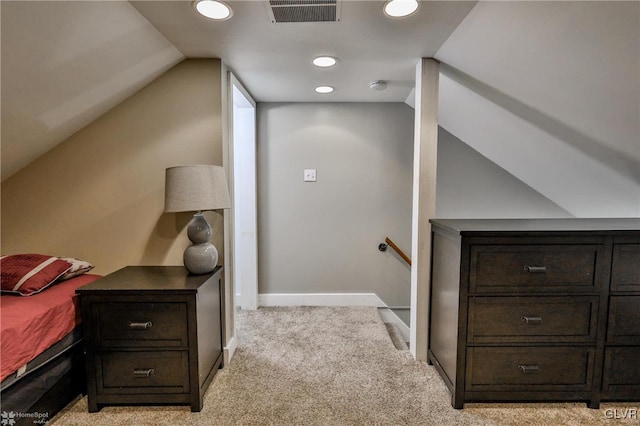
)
(331, 366)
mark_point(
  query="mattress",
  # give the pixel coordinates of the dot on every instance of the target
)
(58, 349)
(32, 324)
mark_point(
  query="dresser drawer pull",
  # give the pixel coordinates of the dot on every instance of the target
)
(528, 369)
(535, 269)
(140, 325)
(143, 372)
(531, 320)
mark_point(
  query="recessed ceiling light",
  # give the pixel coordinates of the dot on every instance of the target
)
(324, 89)
(324, 61)
(213, 9)
(400, 8)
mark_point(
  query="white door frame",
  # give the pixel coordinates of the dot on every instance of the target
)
(243, 192)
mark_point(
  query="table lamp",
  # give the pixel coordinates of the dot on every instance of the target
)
(197, 188)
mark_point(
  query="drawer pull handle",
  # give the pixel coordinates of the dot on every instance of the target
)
(143, 372)
(535, 269)
(528, 369)
(140, 325)
(531, 320)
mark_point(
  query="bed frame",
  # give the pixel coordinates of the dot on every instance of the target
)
(39, 395)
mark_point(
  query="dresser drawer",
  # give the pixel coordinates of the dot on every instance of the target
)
(529, 368)
(625, 271)
(142, 371)
(622, 370)
(565, 319)
(533, 268)
(142, 324)
(624, 320)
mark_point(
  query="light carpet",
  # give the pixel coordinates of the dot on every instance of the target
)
(331, 366)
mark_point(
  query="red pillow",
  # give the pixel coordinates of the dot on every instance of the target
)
(28, 274)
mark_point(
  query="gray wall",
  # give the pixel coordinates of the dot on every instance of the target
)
(323, 236)
(472, 186)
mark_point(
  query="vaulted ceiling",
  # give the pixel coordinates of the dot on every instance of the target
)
(548, 79)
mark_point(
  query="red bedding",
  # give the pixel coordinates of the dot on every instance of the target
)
(29, 325)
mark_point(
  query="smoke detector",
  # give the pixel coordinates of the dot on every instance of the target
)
(378, 85)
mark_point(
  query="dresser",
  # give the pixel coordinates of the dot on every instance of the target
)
(536, 310)
(153, 335)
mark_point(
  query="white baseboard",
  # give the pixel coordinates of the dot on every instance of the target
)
(320, 299)
(229, 350)
(335, 299)
(389, 316)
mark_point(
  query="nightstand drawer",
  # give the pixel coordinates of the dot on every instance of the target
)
(142, 324)
(532, 319)
(153, 371)
(529, 368)
(533, 268)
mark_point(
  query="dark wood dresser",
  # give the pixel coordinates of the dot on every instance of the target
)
(153, 336)
(536, 310)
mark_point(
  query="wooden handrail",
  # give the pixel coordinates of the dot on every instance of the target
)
(398, 250)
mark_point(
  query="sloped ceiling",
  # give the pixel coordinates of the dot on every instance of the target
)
(577, 63)
(66, 63)
(550, 91)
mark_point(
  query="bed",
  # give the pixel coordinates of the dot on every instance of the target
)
(41, 351)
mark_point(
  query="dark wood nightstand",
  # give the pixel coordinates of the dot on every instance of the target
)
(153, 335)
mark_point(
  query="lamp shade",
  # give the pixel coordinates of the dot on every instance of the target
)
(195, 188)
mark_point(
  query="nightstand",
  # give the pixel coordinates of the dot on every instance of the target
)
(153, 335)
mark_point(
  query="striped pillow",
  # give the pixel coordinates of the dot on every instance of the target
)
(78, 267)
(28, 274)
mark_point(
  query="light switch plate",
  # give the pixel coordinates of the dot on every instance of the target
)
(309, 175)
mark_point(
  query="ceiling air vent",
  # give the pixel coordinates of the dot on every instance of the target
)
(290, 11)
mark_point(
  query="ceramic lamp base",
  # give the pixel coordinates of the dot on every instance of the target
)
(201, 257)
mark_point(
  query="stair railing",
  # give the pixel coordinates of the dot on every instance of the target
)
(389, 243)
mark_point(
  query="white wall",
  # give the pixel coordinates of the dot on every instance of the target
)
(323, 236)
(472, 186)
